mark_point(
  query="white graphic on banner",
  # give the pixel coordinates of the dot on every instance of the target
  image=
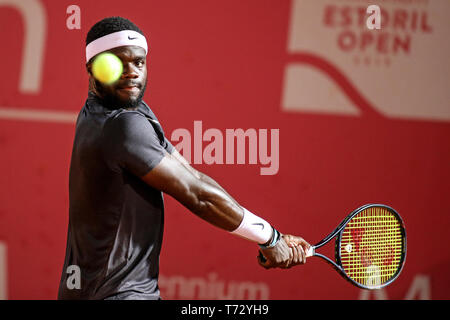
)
(420, 289)
(339, 66)
(301, 95)
(35, 26)
(211, 287)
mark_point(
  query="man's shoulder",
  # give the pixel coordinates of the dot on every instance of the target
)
(126, 117)
(128, 123)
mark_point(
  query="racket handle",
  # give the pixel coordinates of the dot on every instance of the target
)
(310, 252)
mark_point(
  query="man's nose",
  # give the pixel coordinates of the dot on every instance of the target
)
(129, 71)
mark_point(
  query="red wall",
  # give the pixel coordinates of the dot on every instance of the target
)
(221, 62)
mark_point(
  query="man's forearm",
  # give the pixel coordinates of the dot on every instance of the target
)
(250, 226)
(203, 177)
(206, 198)
(215, 205)
(211, 181)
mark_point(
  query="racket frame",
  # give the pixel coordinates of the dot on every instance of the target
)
(337, 250)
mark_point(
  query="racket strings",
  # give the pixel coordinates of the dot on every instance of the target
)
(372, 246)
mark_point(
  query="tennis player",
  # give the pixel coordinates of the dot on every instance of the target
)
(121, 164)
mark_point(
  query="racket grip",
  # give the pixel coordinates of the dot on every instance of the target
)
(310, 251)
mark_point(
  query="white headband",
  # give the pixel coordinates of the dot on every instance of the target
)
(114, 40)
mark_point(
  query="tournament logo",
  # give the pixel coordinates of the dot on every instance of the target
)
(340, 66)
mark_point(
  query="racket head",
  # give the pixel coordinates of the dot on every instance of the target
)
(371, 248)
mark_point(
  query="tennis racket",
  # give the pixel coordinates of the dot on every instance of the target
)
(370, 246)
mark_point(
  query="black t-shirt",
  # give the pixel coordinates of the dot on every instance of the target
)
(115, 219)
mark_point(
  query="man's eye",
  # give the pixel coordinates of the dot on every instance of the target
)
(139, 63)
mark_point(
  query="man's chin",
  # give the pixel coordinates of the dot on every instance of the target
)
(119, 99)
(114, 102)
(131, 103)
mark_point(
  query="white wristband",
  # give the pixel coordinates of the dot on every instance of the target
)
(254, 228)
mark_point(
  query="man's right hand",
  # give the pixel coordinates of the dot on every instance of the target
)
(288, 252)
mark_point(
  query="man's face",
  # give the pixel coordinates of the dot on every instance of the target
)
(128, 91)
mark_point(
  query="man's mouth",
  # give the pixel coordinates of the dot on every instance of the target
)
(130, 88)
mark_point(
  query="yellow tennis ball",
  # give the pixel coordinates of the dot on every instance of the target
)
(107, 68)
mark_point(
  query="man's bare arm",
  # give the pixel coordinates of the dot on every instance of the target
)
(199, 174)
(200, 195)
(207, 199)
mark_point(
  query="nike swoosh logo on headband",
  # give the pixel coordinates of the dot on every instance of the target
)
(259, 224)
(130, 38)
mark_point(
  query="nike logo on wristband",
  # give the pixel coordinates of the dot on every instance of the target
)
(259, 224)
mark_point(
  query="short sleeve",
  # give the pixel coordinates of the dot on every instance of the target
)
(168, 146)
(131, 143)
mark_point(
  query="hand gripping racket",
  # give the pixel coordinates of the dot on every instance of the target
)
(370, 247)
